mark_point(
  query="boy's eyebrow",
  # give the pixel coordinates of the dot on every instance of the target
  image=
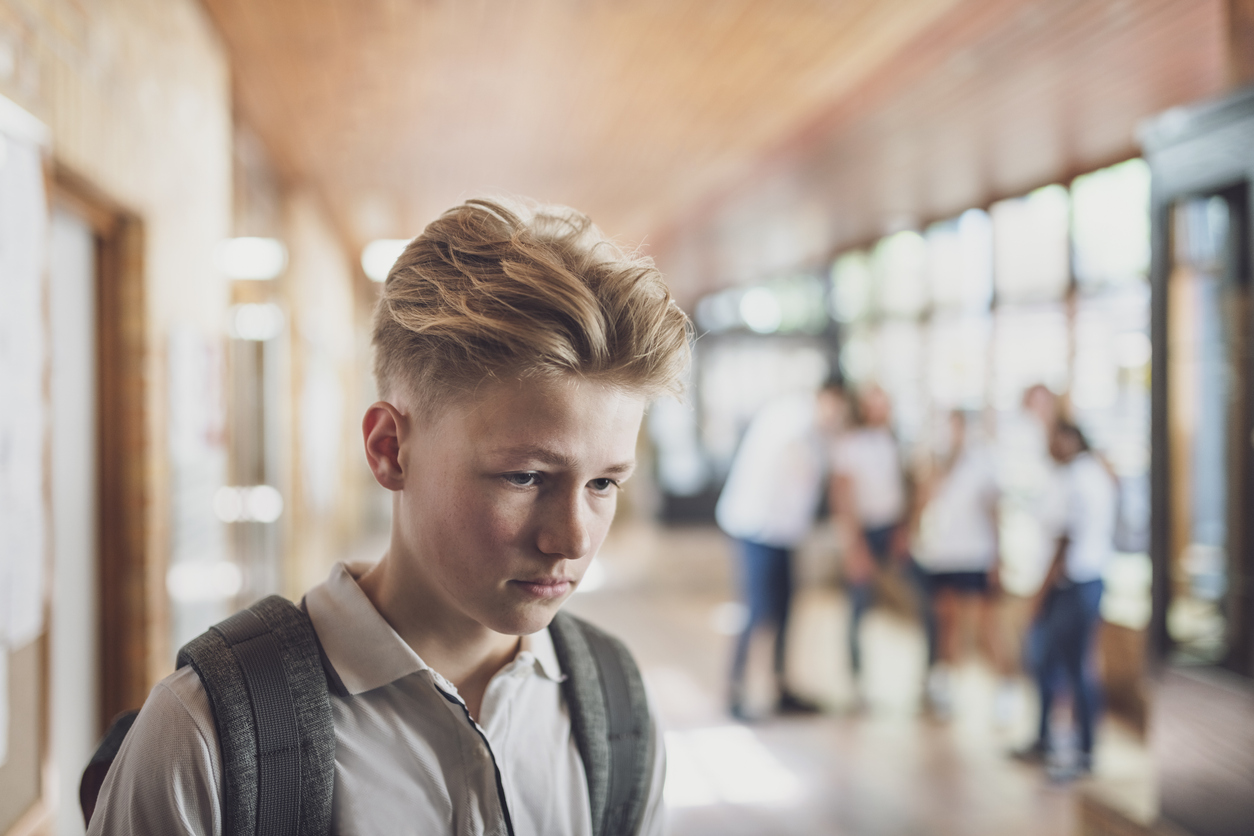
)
(559, 459)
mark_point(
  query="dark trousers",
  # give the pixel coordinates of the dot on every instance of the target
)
(766, 589)
(1062, 636)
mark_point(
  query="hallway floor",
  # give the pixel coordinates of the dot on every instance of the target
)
(884, 768)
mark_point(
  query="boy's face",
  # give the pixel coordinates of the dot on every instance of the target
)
(508, 497)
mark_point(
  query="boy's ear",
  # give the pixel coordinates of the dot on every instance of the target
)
(381, 430)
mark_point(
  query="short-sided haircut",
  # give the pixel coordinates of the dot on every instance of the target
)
(493, 289)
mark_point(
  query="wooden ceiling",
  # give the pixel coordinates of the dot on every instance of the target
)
(732, 137)
(994, 99)
(630, 110)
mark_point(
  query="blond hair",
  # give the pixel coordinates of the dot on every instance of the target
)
(491, 289)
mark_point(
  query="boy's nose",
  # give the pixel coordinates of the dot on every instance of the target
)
(566, 529)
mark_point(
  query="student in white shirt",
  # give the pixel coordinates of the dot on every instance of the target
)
(957, 547)
(768, 507)
(1068, 606)
(516, 350)
(869, 504)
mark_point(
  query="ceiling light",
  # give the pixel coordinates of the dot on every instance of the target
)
(251, 258)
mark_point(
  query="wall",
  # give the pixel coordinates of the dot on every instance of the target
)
(137, 96)
(322, 375)
(330, 371)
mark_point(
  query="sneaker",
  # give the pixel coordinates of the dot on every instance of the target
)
(1035, 755)
(790, 703)
(937, 694)
(737, 710)
(1075, 770)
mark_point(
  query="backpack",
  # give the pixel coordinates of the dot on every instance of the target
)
(269, 686)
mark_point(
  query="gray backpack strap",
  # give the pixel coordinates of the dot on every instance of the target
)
(609, 717)
(262, 671)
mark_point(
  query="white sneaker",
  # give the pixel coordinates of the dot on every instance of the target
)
(938, 693)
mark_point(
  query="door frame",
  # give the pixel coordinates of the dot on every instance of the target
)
(123, 439)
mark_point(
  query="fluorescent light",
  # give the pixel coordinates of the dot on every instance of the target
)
(251, 258)
(379, 256)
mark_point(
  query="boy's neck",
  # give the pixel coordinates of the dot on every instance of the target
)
(464, 652)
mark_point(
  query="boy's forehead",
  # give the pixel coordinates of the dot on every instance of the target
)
(546, 413)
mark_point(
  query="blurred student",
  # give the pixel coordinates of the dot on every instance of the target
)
(1067, 607)
(768, 507)
(957, 548)
(869, 501)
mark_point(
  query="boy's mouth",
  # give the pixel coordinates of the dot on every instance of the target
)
(545, 587)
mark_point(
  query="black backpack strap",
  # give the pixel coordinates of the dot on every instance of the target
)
(609, 717)
(94, 775)
(262, 671)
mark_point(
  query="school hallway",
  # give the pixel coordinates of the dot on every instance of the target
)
(886, 769)
(989, 217)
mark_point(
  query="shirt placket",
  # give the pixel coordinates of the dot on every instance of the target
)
(481, 755)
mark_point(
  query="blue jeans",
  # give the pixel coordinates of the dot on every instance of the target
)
(766, 589)
(1062, 640)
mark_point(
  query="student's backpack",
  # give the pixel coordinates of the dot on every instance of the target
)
(269, 686)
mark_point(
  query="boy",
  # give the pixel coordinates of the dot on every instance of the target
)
(516, 350)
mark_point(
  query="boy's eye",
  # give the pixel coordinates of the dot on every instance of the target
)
(602, 485)
(525, 479)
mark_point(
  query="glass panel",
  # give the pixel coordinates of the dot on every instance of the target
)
(1201, 306)
(957, 361)
(899, 267)
(1029, 347)
(1031, 250)
(851, 287)
(960, 262)
(1110, 225)
(1110, 393)
(899, 351)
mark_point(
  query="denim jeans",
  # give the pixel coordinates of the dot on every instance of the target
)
(1061, 641)
(766, 589)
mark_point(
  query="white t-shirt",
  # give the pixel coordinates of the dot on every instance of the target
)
(407, 759)
(869, 457)
(957, 531)
(776, 479)
(1089, 517)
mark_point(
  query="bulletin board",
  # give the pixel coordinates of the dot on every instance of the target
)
(23, 483)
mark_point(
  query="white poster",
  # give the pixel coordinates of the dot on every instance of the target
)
(23, 222)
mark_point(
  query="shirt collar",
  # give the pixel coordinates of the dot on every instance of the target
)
(539, 646)
(367, 653)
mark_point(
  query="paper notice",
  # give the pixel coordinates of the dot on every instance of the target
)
(23, 221)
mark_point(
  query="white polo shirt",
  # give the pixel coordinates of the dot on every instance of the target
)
(869, 458)
(407, 758)
(957, 532)
(776, 479)
(1089, 521)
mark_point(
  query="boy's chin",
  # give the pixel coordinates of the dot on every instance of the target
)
(525, 622)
